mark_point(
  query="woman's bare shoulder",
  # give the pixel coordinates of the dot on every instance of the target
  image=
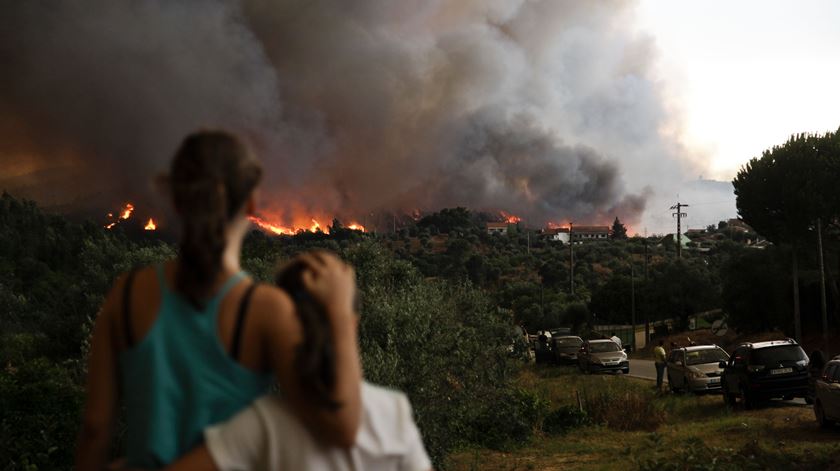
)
(272, 303)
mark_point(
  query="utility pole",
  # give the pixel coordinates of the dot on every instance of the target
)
(528, 233)
(679, 215)
(823, 306)
(647, 314)
(571, 261)
(633, 303)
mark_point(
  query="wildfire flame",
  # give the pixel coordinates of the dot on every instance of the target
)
(150, 226)
(123, 215)
(126, 212)
(315, 226)
(510, 218)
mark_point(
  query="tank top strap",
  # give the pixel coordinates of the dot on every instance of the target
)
(229, 284)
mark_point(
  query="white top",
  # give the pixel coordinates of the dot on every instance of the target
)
(616, 340)
(266, 436)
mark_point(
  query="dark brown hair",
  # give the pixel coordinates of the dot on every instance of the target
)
(315, 357)
(212, 176)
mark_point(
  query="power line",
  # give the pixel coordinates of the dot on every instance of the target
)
(679, 215)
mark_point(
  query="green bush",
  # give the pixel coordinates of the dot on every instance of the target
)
(564, 419)
(445, 345)
(622, 406)
(509, 420)
(40, 404)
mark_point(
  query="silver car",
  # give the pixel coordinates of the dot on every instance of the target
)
(827, 394)
(602, 355)
(696, 368)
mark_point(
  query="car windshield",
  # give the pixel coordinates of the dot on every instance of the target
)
(711, 355)
(603, 347)
(775, 355)
(569, 342)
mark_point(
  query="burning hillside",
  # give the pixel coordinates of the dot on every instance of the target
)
(545, 109)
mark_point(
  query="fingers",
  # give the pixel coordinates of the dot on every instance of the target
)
(313, 262)
(308, 279)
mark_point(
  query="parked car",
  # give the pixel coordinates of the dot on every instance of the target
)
(602, 355)
(827, 394)
(542, 347)
(765, 370)
(566, 348)
(561, 331)
(696, 368)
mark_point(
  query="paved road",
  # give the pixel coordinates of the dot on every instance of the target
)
(646, 369)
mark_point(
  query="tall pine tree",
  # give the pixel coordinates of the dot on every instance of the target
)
(618, 232)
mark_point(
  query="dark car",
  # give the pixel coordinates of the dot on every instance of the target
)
(827, 394)
(765, 370)
(566, 348)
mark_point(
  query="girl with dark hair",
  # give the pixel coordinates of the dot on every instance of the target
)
(268, 436)
(189, 343)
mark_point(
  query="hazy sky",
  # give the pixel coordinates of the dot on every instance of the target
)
(746, 74)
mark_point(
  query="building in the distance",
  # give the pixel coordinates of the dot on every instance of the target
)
(497, 227)
(586, 233)
(557, 234)
(578, 233)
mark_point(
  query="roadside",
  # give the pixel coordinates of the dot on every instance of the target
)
(673, 431)
(730, 340)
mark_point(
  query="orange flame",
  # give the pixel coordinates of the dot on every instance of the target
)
(313, 227)
(510, 218)
(150, 226)
(126, 213)
(558, 225)
(111, 226)
(267, 226)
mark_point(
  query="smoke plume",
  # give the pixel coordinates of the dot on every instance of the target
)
(544, 108)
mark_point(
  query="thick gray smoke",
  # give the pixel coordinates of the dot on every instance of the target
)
(543, 108)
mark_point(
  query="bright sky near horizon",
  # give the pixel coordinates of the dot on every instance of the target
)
(746, 74)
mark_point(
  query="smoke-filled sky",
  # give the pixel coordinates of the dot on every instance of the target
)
(552, 110)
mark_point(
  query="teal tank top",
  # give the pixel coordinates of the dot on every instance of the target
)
(178, 379)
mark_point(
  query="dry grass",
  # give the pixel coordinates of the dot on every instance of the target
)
(779, 430)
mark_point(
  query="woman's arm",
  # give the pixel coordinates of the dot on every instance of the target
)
(332, 283)
(102, 393)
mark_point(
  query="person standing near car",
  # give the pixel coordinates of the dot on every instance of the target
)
(659, 359)
(615, 339)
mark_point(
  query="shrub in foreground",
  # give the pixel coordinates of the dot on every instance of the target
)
(622, 406)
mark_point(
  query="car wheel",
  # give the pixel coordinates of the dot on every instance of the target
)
(821, 418)
(672, 385)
